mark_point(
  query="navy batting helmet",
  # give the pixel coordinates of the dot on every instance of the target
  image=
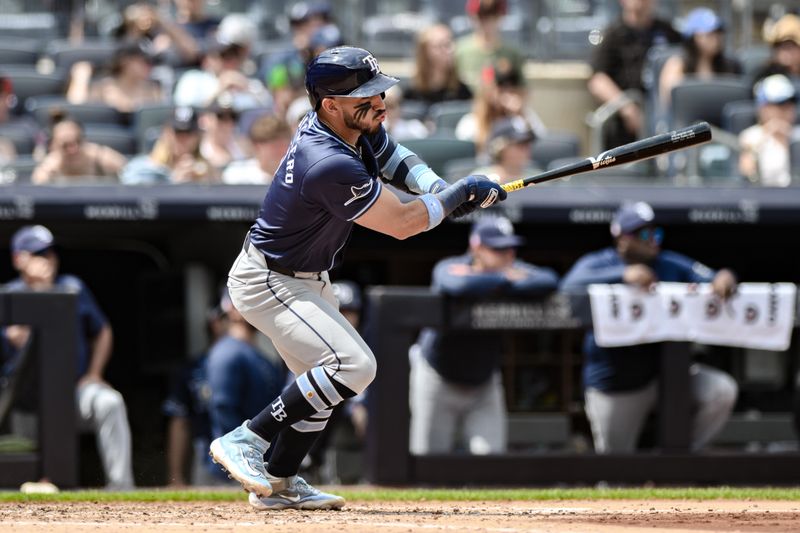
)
(345, 71)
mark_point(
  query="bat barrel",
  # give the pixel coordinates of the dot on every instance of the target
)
(628, 153)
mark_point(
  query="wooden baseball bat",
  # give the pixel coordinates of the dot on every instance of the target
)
(627, 153)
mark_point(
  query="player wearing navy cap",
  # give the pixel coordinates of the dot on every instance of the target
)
(621, 384)
(332, 176)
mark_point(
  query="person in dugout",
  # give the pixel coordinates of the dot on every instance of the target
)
(621, 384)
(456, 388)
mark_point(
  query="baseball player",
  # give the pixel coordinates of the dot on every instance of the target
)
(331, 176)
(455, 385)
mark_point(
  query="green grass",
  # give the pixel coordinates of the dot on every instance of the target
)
(381, 494)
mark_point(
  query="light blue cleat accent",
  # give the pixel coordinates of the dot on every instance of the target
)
(294, 493)
(241, 453)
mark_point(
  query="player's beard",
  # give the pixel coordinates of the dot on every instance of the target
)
(364, 126)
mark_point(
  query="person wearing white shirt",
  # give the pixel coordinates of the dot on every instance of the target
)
(270, 136)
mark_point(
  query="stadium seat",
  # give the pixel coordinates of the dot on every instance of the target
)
(23, 142)
(445, 115)
(753, 57)
(739, 115)
(65, 54)
(28, 82)
(458, 168)
(794, 160)
(119, 138)
(18, 171)
(89, 113)
(19, 51)
(414, 109)
(41, 24)
(145, 119)
(694, 100)
(554, 145)
(438, 151)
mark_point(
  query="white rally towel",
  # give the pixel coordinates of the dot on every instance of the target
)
(760, 315)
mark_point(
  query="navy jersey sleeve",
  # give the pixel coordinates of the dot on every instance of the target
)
(176, 404)
(226, 381)
(688, 270)
(536, 280)
(598, 267)
(91, 316)
(342, 186)
(455, 278)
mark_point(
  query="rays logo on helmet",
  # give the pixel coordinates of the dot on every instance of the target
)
(372, 62)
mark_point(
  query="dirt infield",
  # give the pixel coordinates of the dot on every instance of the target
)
(610, 516)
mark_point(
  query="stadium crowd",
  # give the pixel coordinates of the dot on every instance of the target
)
(172, 94)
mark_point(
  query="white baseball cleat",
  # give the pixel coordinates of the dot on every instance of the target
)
(241, 454)
(294, 493)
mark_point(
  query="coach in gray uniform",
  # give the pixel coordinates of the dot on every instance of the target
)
(332, 175)
(455, 385)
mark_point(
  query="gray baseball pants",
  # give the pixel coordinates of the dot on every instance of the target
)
(617, 418)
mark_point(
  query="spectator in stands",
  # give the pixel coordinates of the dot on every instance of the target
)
(509, 147)
(241, 378)
(192, 17)
(128, 86)
(71, 159)
(764, 155)
(436, 78)
(284, 71)
(189, 427)
(175, 158)
(8, 151)
(396, 125)
(617, 66)
(502, 94)
(154, 31)
(269, 137)
(455, 385)
(222, 70)
(220, 143)
(484, 46)
(784, 38)
(621, 384)
(99, 405)
(703, 53)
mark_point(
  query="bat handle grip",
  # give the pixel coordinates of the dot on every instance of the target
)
(515, 185)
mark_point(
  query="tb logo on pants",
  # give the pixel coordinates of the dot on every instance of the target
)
(278, 412)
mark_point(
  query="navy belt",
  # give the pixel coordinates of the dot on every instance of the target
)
(270, 263)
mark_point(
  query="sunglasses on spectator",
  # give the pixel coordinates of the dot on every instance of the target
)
(648, 234)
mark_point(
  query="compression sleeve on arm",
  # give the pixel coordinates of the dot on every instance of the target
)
(406, 171)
